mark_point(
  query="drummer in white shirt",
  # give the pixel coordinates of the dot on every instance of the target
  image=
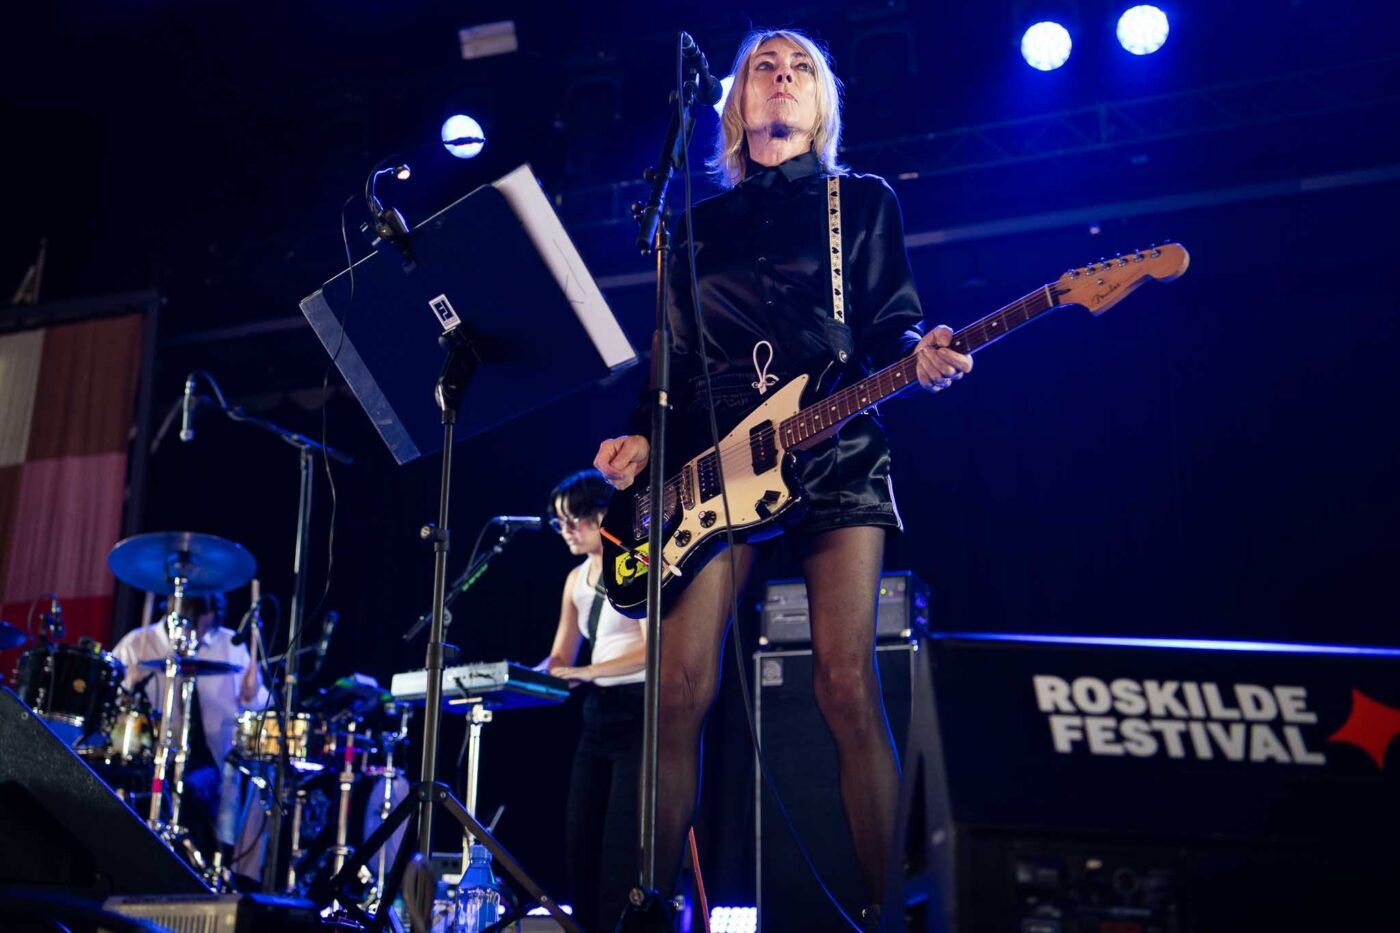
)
(219, 698)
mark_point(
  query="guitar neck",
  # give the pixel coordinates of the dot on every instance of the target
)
(817, 420)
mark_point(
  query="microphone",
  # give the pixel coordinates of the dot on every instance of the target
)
(519, 522)
(708, 90)
(53, 619)
(187, 411)
(251, 618)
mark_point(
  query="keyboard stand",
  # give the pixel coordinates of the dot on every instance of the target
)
(478, 716)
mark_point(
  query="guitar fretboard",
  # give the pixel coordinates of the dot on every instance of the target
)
(890, 381)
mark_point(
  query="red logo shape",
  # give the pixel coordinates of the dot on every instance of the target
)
(1371, 726)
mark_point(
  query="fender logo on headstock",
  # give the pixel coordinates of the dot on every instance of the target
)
(1103, 295)
(627, 568)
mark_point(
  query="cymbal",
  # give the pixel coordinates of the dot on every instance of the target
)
(208, 563)
(11, 637)
(195, 667)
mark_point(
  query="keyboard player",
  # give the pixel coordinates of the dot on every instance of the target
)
(601, 822)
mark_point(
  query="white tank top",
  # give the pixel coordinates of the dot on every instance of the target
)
(616, 634)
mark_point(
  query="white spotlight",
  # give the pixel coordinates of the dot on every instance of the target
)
(1143, 29)
(463, 127)
(1045, 46)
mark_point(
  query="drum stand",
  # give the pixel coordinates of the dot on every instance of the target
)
(183, 643)
(389, 773)
(341, 850)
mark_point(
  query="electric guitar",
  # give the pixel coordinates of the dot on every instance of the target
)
(754, 462)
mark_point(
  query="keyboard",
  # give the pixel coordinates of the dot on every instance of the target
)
(497, 684)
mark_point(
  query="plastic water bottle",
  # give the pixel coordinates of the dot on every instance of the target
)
(478, 894)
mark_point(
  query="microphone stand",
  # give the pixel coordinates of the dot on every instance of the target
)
(646, 909)
(464, 582)
(274, 878)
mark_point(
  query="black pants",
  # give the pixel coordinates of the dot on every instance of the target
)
(601, 832)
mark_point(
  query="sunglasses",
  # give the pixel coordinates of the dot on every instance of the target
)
(559, 524)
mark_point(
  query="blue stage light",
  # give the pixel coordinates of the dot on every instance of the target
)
(1045, 46)
(1142, 29)
(462, 126)
(725, 83)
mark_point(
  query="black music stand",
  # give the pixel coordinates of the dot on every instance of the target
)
(487, 277)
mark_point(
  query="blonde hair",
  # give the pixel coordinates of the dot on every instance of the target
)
(731, 144)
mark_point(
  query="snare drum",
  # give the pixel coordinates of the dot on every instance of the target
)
(258, 737)
(72, 687)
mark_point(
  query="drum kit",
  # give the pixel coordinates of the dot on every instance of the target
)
(342, 744)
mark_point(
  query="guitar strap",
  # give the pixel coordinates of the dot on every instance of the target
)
(833, 228)
(595, 612)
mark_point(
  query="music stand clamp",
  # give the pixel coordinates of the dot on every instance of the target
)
(508, 251)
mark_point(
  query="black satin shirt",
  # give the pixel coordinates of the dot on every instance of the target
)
(762, 259)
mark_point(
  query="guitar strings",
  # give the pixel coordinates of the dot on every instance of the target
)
(848, 395)
(741, 453)
(992, 328)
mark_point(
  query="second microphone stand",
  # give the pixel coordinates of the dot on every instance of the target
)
(274, 876)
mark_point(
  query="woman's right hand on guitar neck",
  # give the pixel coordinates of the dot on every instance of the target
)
(620, 459)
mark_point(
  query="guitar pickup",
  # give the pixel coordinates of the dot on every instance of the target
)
(763, 447)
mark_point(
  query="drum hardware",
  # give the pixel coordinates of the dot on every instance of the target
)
(128, 736)
(347, 782)
(179, 564)
(177, 682)
(389, 773)
(274, 877)
(71, 687)
(206, 563)
(260, 736)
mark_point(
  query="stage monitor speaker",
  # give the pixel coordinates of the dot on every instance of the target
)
(63, 831)
(1067, 784)
(222, 913)
(802, 760)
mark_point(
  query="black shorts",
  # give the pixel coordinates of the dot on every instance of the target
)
(845, 480)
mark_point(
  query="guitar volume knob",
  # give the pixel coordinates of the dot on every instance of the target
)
(707, 518)
(683, 538)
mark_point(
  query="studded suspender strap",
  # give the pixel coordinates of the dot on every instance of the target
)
(833, 227)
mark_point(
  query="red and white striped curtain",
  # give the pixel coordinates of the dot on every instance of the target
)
(66, 410)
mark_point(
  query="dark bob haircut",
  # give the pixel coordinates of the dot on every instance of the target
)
(580, 495)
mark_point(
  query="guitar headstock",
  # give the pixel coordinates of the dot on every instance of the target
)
(1101, 285)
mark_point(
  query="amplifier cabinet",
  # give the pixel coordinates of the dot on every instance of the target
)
(901, 614)
(802, 760)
